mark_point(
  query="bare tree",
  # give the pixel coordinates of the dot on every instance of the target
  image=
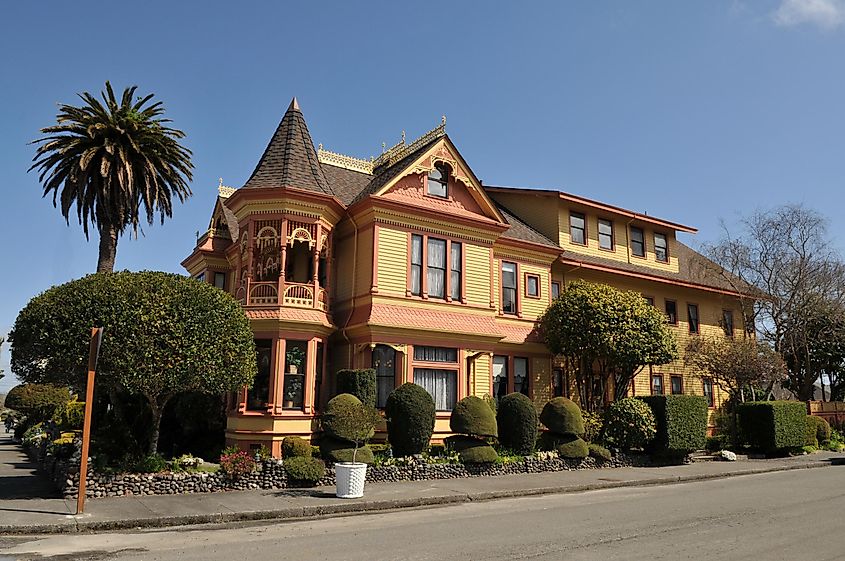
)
(784, 264)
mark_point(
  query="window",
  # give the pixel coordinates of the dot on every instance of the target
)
(661, 249)
(649, 300)
(200, 277)
(500, 377)
(436, 270)
(728, 322)
(577, 228)
(456, 269)
(656, 384)
(692, 315)
(532, 286)
(671, 312)
(416, 264)
(438, 180)
(677, 385)
(707, 388)
(435, 354)
(294, 380)
(259, 393)
(555, 289)
(441, 384)
(220, 280)
(520, 375)
(508, 288)
(605, 234)
(637, 242)
(318, 373)
(558, 383)
(384, 363)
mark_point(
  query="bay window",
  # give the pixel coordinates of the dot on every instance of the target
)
(436, 271)
(258, 395)
(439, 263)
(439, 380)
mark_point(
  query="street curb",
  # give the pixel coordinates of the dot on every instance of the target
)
(79, 525)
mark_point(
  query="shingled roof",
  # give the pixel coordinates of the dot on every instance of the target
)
(290, 159)
(521, 231)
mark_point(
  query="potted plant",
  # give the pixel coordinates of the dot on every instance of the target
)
(348, 419)
(293, 391)
(294, 356)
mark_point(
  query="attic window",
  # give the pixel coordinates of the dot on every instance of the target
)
(437, 181)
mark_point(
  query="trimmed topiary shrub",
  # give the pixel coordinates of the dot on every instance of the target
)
(517, 421)
(600, 453)
(563, 416)
(295, 447)
(573, 448)
(304, 470)
(338, 409)
(336, 450)
(818, 431)
(681, 423)
(471, 450)
(773, 425)
(410, 413)
(629, 423)
(473, 416)
(360, 383)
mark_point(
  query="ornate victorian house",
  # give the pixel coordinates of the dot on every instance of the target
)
(408, 264)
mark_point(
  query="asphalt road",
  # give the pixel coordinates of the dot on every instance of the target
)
(793, 516)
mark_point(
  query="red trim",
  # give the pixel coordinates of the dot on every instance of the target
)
(662, 384)
(539, 290)
(665, 305)
(665, 239)
(676, 377)
(586, 230)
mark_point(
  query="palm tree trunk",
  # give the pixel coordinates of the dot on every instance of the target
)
(108, 249)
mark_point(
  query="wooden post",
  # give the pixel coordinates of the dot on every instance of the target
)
(93, 354)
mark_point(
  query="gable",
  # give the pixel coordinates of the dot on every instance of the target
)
(465, 196)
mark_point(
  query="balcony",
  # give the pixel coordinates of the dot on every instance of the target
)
(294, 295)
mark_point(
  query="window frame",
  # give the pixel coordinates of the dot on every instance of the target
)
(680, 380)
(608, 222)
(452, 294)
(444, 269)
(641, 231)
(528, 277)
(666, 303)
(665, 247)
(711, 397)
(725, 315)
(444, 171)
(380, 348)
(583, 229)
(439, 365)
(649, 300)
(662, 384)
(449, 291)
(515, 288)
(419, 266)
(697, 330)
(555, 289)
(217, 275)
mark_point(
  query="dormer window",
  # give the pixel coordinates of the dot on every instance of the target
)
(438, 179)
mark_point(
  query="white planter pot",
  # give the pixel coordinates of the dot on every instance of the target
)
(349, 480)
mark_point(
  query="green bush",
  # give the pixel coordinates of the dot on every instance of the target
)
(573, 448)
(410, 413)
(360, 383)
(681, 423)
(152, 463)
(71, 415)
(336, 450)
(629, 423)
(593, 426)
(294, 446)
(38, 402)
(773, 425)
(473, 416)
(818, 431)
(305, 470)
(563, 416)
(599, 452)
(336, 419)
(517, 421)
(471, 450)
(715, 443)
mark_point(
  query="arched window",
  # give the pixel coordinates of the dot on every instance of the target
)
(438, 179)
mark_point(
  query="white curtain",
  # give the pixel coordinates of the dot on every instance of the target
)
(436, 267)
(456, 271)
(441, 384)
(416, 264)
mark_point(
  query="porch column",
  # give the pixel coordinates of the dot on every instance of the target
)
(315, 257)
(283, 258)
(277, 379)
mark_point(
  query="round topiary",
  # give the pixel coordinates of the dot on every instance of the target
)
(563, 416)
(294, 446)
(305, 471)
(333, 419)
(517, 421)
(600, 452)
(410, 413)
(629, 423)
(473, 416)
(471, 450)
(573, 448)
(818, 431)
(336, 451)
(39, 402)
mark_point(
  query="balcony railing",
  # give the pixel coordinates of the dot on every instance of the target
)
(294, 295)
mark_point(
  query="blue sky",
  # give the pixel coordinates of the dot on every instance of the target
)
(694, 112)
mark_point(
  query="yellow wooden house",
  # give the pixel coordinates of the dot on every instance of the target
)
(406, 263)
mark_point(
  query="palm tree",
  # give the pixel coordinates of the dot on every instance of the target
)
(111, 162)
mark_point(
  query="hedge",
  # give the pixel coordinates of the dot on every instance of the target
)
(681, 423)
(629, 423)
(336, 450)
(294, 446)
(818, 431)
(471, 450)
(773, 425)
(563, 416)
(304, 470)
(410, 413)
(360, 383)
(473, 416)
(517, 421)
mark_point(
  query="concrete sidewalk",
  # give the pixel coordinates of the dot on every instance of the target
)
(41, 515)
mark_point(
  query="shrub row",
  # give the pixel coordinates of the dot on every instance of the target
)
(773, 425)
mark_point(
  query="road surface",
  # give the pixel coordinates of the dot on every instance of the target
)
(793, 516)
